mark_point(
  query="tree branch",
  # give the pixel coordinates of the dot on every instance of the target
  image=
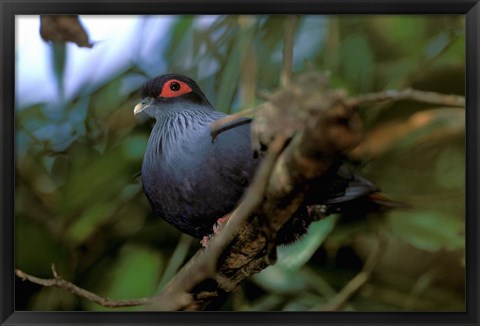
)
(58, 282)
(290, 28)
(408, 94)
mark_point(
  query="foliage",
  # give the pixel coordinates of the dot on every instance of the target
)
(79, 202)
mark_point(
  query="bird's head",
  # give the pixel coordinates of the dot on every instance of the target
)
(171, 91)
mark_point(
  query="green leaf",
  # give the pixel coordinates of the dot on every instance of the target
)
(405, 30)
(428, 230)
(110, 96)
(266, 303)
(450, 168)
(436, 45)
(279, 280)
(134, 147)
(294, 256)
(88, 222)
(357, 62)
(453, 54)
(95, 178)
(230, 77)
(134, 275)
(284, 276)
(176, 260)
(36, 248)
(32, 118)
(181, 31)
(303, 302)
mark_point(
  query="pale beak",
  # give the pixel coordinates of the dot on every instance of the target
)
(142, 105)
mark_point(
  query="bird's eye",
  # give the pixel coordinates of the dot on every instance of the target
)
(175, 86)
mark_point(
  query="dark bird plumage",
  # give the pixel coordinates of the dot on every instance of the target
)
(191, 181)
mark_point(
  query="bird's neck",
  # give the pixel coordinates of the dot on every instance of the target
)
(176, 130)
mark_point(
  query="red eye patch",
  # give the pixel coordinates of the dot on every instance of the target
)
(174, 88)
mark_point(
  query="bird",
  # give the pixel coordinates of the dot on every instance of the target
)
(194, 182)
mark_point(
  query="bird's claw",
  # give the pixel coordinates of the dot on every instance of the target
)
(205, 240)
(217, 227)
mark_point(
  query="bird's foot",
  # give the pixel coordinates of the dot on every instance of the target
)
(217, 227)
(205, 240)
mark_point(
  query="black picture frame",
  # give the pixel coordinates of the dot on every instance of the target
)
(10, 8)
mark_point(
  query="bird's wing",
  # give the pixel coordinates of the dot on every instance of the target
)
(213, 174)
(232, 155)
(230, 125)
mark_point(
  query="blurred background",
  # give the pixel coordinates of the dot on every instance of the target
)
(79, 202)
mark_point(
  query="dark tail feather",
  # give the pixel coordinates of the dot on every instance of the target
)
(358, 207)
(385, 202)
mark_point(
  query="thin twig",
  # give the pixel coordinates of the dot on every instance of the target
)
(408, 94)
(288, 45)
(59, 282)
(176, 260)
(342, 297)
(169, 302)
